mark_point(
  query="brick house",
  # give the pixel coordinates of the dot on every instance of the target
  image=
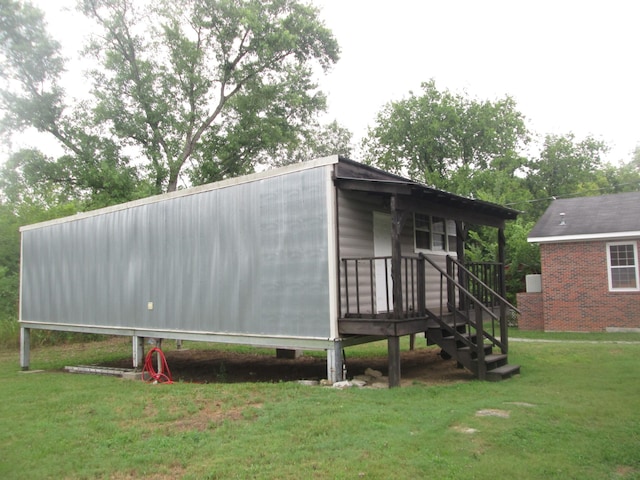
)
(589, 262)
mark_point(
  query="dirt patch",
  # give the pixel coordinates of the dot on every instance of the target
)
(625, 471)
(174, 471)
(211, 415)
(422, 365)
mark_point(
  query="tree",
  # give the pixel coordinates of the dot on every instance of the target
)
(466, 146)
(205, 88)
(210, 84)
(31, 63)
(32, 96)
(626, 177)
(635, 161)
(438, 133)
(316, 142)
(567, 166)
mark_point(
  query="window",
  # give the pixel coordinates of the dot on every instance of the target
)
(439, 241)
(452, 238)
(434, 233)
(422, 230)
(623, 266)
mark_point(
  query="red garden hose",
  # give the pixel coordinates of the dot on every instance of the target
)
(164, 375)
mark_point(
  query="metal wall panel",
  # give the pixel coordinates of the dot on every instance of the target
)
(250, 259)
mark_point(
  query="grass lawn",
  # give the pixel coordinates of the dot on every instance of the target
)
(574, 413)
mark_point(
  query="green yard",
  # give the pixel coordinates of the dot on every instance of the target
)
(573, 413)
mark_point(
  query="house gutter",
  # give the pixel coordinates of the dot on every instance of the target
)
(584, 237)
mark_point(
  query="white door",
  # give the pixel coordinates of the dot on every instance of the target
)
(382, 248)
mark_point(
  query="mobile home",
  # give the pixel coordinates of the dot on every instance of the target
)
(319, 255)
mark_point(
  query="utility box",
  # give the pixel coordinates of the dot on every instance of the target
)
(534, 283)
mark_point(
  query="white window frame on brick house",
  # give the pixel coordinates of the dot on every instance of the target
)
(613, 266)
(439, 234)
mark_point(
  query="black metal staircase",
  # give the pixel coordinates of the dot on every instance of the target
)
(469, 324)
(469, 329)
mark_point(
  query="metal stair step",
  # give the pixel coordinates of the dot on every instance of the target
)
(502, 373)
(494, 357)
(466, 336)
(487, 349)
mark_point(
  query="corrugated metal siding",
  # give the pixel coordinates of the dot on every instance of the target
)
(355, 217)
(248, 259)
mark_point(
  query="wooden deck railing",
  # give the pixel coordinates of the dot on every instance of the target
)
(472, 297)
(490, 277)
(363, 297)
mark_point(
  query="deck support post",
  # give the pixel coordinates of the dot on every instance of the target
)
(462, 234)
(482, 366)
(398, 217)
(138, 351)
(25, 348)
(504, 328)
(158, 358)
(393, 348)
(502, 259)
(335, 363)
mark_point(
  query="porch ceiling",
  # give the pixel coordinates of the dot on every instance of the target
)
(416, 197)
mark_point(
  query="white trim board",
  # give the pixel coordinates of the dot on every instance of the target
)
(585, 237)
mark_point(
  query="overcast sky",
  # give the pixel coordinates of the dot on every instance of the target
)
(571, 66)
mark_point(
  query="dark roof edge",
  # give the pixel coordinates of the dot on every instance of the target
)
(508, 213)
(375, 170)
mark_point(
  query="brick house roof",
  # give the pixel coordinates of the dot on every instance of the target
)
(583, 218)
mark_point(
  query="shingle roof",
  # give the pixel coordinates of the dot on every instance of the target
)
(605, 216)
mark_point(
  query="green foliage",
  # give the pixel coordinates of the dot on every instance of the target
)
(523, 258)
(9, 264)
(9, 283)
(319, 141)
(476, 149)
(217, 86)
(93, 167)
(30, 65)
(433, 135)
(567, 167)
(29, 177)
(205, 89)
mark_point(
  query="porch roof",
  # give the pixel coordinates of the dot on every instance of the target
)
(351, 175)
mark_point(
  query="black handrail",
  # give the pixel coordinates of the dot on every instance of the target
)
(477, 279)
(461, 286)
(503, 304)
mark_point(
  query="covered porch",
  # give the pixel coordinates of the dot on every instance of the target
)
(459, 306)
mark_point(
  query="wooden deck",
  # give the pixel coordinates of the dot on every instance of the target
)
(384, 327)
(470, 323)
